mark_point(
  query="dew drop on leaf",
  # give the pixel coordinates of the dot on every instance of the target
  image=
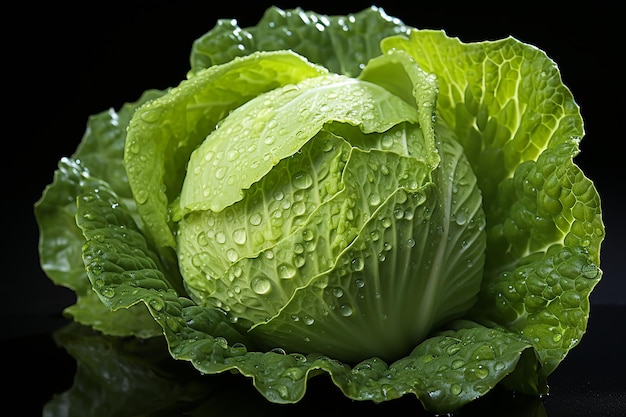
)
(232, 255)
(261, 285)
(202, 239)
(255, 219)
(458, 363)
(357, 264)
(141, 197)
(302, 180)
(156, 304)
(590, 271)
(374, 199)
(286, 271)
(108, 292)
(239, 236)
(345, 310)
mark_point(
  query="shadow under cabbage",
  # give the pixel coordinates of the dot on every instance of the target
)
(130, 377)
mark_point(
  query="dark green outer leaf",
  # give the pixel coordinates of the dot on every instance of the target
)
(469, 360)
(99, 156)
(343, 44)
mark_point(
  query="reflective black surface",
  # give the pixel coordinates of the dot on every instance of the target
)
(590, 382)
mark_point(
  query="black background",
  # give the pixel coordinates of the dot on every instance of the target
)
(63, 63)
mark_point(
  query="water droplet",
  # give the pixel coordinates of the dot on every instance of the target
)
(410, 243)
(298, 261)
(141, 197)
(294, 373)
(156, 304)
(256, 219)
(357, 264)
(108, 292)
(278, 350)
(345, 310)
(337, 292)
(221, 342)
(461, 218)
(202, 239)
(307, 235)
(386, 222)
(456, 389)
(302, 180)
(220, 173)
(232, 155)
(150, 116)
(481, 372)
(286, 271)
(197, 259)
(232, 255)
(590, 271)
(308, 320)
(387, 142)
(374, 199)
(457, 363)
(239, 236)
(261, 285)
(209, 155)
(298, 208)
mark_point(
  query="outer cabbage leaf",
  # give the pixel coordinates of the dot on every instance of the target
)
(343, 44)
(520, 128)
(99, 156)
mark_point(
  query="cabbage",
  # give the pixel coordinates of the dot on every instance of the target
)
(338, 194)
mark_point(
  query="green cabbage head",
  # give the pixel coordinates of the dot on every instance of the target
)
(338, 194)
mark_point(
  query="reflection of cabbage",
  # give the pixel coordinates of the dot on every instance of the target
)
(410, 209)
